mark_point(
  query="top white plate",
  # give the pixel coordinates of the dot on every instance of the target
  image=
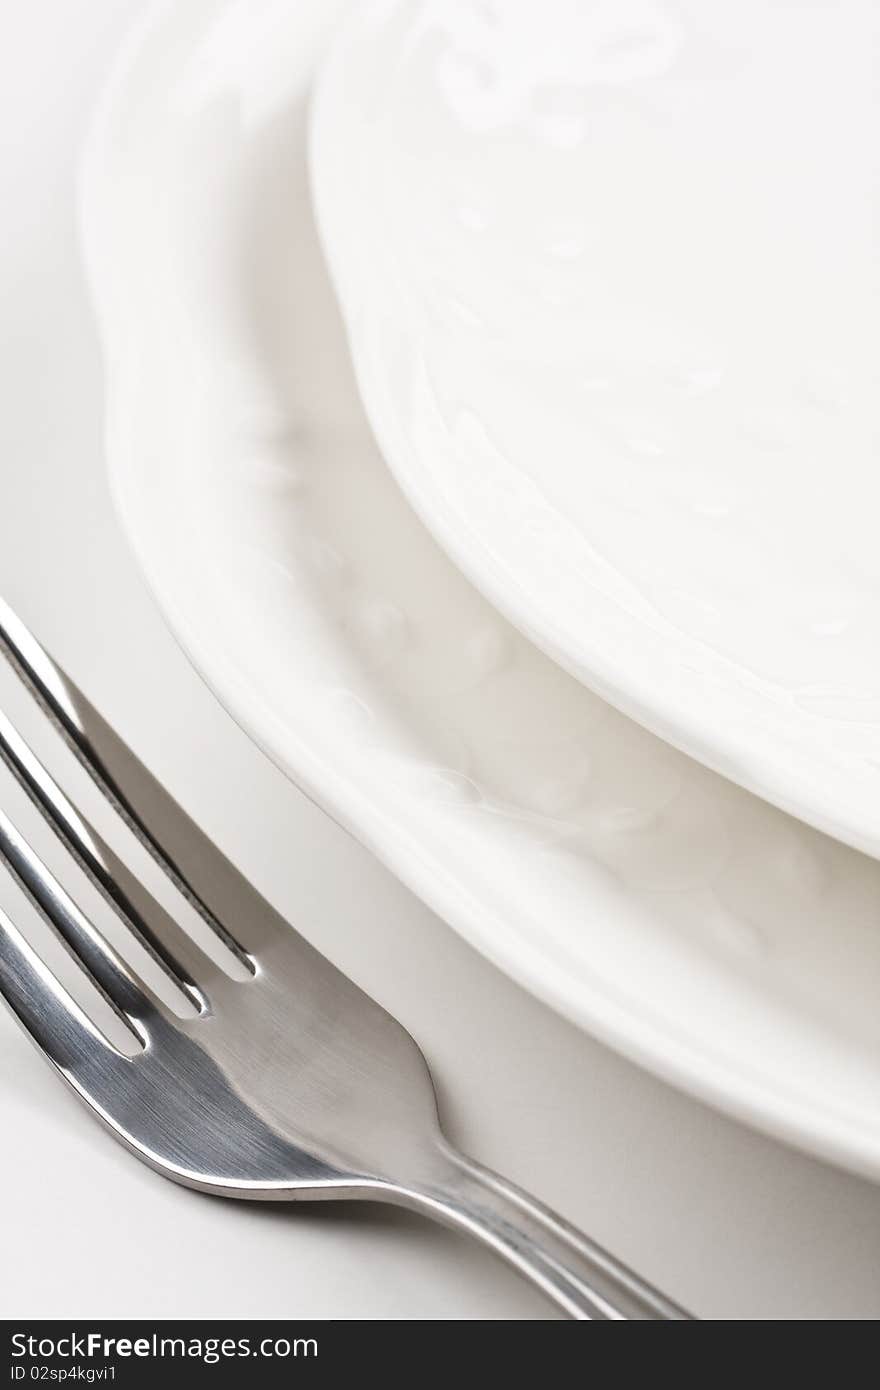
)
(609, 273)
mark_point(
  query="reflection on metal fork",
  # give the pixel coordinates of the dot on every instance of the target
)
(288, 1083)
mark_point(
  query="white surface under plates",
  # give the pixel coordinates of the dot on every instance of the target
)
(703, 933)
(730, 1222)
(611, 277)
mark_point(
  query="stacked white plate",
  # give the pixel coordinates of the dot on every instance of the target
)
(609, 272)
(603, 272)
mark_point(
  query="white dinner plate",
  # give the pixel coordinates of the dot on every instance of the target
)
(610, 274)
(701, 932)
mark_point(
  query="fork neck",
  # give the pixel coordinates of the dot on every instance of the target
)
(579, 1276)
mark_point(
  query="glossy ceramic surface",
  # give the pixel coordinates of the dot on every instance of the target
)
(703, 933)
(610, 277)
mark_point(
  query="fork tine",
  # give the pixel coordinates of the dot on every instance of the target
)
(175, 951)
(43, 1006)
(112, 766)
(121, 987)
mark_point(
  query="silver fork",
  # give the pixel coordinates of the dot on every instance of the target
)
(290, 1083)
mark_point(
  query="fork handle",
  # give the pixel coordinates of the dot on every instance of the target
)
(578, 1275)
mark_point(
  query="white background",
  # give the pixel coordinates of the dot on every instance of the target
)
(733, 1225)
